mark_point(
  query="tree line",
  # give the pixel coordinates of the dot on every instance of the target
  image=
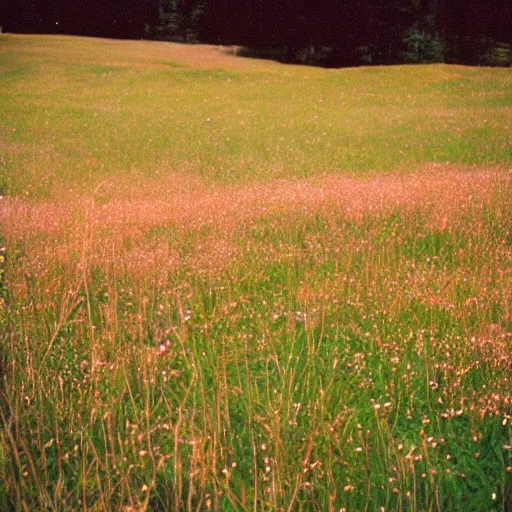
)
(331, 33)
(348, 32)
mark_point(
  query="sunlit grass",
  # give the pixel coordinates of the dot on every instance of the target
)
(85, 109)
(239, 285)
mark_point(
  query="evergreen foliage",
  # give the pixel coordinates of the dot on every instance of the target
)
(422, 47)
(346, 33)
(320, 32)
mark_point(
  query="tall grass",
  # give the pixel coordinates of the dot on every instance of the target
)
(178, 334)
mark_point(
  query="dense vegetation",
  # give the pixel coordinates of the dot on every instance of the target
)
(321, 32)
(349, 32)
(239, 285)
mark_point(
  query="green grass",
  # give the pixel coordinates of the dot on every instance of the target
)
(90, 109)
(326, 254)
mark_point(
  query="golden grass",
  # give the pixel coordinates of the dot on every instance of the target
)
(208, 307)
(219, 218)
(185, 200)
(122, 273)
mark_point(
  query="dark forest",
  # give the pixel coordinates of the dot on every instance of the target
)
(318, 32)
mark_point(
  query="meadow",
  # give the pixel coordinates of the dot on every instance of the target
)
(232, 284)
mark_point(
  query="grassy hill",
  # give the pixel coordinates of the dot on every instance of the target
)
(231, 284)
(92, 109)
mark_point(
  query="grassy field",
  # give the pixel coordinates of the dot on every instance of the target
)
(230, 284)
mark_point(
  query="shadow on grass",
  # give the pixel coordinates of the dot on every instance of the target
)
(324, 57)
